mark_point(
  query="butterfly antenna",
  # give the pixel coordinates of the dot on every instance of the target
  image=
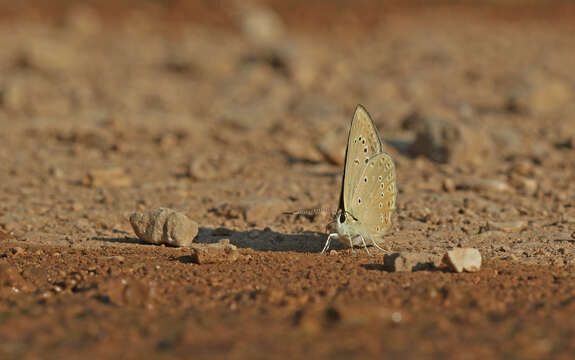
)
(309, 211)
(328, 224)
(350, 214)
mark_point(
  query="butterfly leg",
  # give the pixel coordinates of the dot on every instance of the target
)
(351, 245)
(364, 245)
(328, 241)
(380, 248)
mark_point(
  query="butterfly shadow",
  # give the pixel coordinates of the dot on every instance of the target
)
(265, 240)
(255, 239)
(121, 240)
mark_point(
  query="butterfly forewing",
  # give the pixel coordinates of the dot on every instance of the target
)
(374, 199)
(362, 144)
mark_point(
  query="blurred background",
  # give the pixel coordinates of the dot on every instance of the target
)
(199, 104)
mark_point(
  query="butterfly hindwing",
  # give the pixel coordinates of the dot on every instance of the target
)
(374, 199)
(363, 143)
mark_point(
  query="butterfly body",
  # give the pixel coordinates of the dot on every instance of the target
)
(369, 192)
(349, 230)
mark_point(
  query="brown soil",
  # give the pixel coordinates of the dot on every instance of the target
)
(224, 126)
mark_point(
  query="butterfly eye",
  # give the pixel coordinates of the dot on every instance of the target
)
(342, 217)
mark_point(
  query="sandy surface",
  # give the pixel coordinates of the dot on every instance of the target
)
(234, 118)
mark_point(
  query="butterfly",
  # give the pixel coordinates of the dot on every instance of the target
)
(369, 187)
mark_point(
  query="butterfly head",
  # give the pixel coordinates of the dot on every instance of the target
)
(347, 224)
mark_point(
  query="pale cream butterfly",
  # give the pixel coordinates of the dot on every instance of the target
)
(368, 191)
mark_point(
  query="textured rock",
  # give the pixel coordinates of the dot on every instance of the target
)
(463, 259)
(164, 226)
(222, 252)
(410, 261)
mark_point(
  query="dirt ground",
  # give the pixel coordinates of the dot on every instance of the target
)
(234, 114)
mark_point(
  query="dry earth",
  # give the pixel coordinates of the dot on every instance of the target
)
(237, 116)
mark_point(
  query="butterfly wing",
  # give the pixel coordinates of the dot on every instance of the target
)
(363, 143)
(374, 199)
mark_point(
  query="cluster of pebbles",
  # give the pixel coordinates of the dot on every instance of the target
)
(169, 227)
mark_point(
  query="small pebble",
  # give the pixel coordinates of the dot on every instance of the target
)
(222, 252)
(507, 226)
(522, 167)
(261, 26)
(17, 251)
(396, 317)
(448, 185)
(213, 166)
(463, 259)
(523, 184)
(410, 261)
(298, 149)
(487, 185)
(56, 172)
(110, 176)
